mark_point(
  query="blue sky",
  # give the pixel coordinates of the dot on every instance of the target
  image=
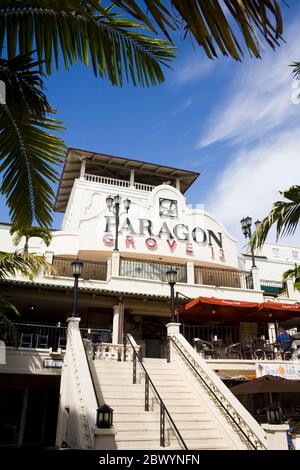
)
(235, 123)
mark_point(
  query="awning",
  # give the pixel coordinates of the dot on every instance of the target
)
(213, 309)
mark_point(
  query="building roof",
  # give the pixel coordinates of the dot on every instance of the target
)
(116, 167)
(83, 289)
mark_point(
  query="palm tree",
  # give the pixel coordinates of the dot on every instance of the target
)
(293, 273)
(285, 214)
(30, 232)
(208, 22)
(29, 266)
(76, 31)
(28, 149)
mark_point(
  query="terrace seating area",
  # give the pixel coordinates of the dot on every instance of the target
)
(229, 343)
(45, 336)
(256, 350)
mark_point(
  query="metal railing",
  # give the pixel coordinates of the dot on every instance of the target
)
(154, 270)
(45, 336)
(223, 277)
(222, 401)
(148, 382)
(231, 342)
(91, 269)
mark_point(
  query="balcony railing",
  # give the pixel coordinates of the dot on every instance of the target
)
(223, 278)
(231, 342)
(117, 182)
(45, 336)
(91, 269)
(142, 269)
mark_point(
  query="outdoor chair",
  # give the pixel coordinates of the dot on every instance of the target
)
(233, 351)
(258, 346)
(246, 351)
(205, 349)
(26, 340)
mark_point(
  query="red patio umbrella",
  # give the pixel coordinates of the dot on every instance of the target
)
(213, 309)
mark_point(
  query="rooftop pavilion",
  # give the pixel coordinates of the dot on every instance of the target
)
(117, 171)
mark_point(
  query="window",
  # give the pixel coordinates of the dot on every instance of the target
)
(275, 252)
(295, 254)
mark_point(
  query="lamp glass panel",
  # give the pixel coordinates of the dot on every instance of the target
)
(77, 267)
(171, 276)
(109, 202)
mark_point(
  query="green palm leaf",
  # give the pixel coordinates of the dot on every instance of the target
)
(285, 214)
(27, 264)
(28, 151)
(291, 273)
(208, 22)
(19, 232)
(85, 31)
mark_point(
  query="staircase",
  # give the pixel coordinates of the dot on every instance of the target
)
(200, 422)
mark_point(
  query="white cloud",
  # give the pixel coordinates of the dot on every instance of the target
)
(193, 69)
(259, 99)
(182, 107)
(250, 183)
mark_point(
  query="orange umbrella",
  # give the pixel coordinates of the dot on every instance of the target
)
(211, 308)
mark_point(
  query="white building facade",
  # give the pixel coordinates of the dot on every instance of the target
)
(124, 290)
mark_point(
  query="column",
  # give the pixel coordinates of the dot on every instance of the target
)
(49, 255)
(108, 270)
(256, 278)
(115, 263)
(290, 288)
(272, 332)
(132, 178)
(116, 321)
(276, 436)
(190, 273)
(178, 184)
(82, 169)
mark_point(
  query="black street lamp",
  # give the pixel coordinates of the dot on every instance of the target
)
(171, 276)
(104, 416)
(77, 266)
(113, 205)
(246, 224)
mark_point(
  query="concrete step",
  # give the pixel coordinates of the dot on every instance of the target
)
(154, 424)
(145, 416)
(129, 393)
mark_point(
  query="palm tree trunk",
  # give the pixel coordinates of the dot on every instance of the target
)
(26, 244)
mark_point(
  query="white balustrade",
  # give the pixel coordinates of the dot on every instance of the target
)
(117, 182)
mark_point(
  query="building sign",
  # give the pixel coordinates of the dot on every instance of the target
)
(53, 363)
(166, 232)
(287, 371)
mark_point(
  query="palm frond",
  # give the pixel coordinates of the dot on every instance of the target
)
(291, 273)
(85, 31)
(285, 214)
(210, 25)
(26, 264)
(19, 232)
(28, 151)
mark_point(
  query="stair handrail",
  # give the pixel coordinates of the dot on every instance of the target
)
(163, 408)
(254, 446)
(89, 354)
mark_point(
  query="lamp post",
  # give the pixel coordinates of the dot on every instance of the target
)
(171, 276)
(113, 205)
(77, 266)
(246, 224)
